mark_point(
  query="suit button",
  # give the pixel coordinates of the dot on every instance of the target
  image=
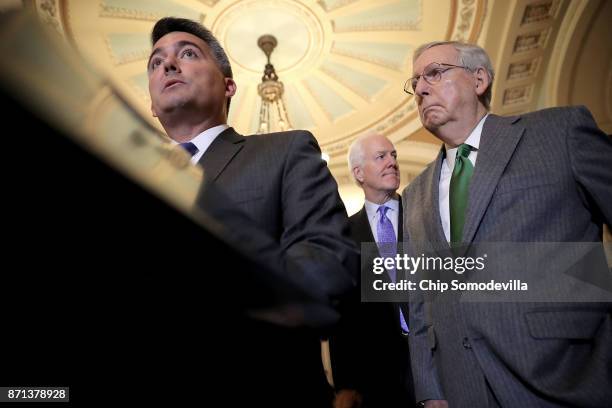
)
(466, 343)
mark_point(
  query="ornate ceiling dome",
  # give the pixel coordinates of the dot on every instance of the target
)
(343, 62)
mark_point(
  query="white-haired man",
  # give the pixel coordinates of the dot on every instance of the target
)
(371, 362)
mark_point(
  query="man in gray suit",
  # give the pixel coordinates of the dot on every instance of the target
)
(278, 198)
(545, 176)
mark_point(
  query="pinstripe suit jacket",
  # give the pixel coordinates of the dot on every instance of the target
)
(282, 204)
(540, 177)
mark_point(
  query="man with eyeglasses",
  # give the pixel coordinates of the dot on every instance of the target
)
(544, 176)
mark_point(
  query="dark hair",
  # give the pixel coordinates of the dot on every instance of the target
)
(171, 24)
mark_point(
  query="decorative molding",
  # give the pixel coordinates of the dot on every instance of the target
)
(540, 11)
(463, 26)
(209, 3)
(405, 15)
(392, 120)
(339, 3)
(48, 11)
(518, 94)
(412, 26)
(523, 69)
(336, 148)
(531, 41)
(120, 59)
(402, 114)
(133, 14)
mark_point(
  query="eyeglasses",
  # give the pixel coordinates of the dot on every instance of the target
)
(432, 74)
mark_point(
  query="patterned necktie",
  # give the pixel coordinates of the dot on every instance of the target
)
(387, 246)
(387, 242)
(190, 148)
(458, 195)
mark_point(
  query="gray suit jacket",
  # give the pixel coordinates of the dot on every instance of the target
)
(540, 177)
(276, 199)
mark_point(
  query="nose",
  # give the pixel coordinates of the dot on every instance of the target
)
(171, 65)
(392, 161)
(422, 87)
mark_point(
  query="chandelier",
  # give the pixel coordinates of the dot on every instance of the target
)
(273, 113)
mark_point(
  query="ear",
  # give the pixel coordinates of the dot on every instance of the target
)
(230, 87)
(358, 174)
(482, 80)
(153, 111)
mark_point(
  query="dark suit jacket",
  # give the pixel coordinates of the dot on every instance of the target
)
(539, 177)
(275, 198)
(369, 352)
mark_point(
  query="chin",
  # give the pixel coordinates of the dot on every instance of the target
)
(433, 119)
(433, 123)
(392, 186)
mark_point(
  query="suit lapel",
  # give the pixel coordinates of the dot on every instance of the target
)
(433, 223)
(221, 152)
(499, 139)
(400, 222)
(362, 227)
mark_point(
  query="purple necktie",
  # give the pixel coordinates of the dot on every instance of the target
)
(387, 242)
(387, 246)
(191, 148)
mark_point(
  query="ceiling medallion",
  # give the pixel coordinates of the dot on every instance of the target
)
(303, 29)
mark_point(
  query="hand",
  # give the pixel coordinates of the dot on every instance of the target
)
(436, 404)
(348, 399)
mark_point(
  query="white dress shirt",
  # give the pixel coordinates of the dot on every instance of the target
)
(204, 139)
(447, 172)
(374, 215)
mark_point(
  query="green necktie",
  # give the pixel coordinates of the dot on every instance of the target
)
(459, 187)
